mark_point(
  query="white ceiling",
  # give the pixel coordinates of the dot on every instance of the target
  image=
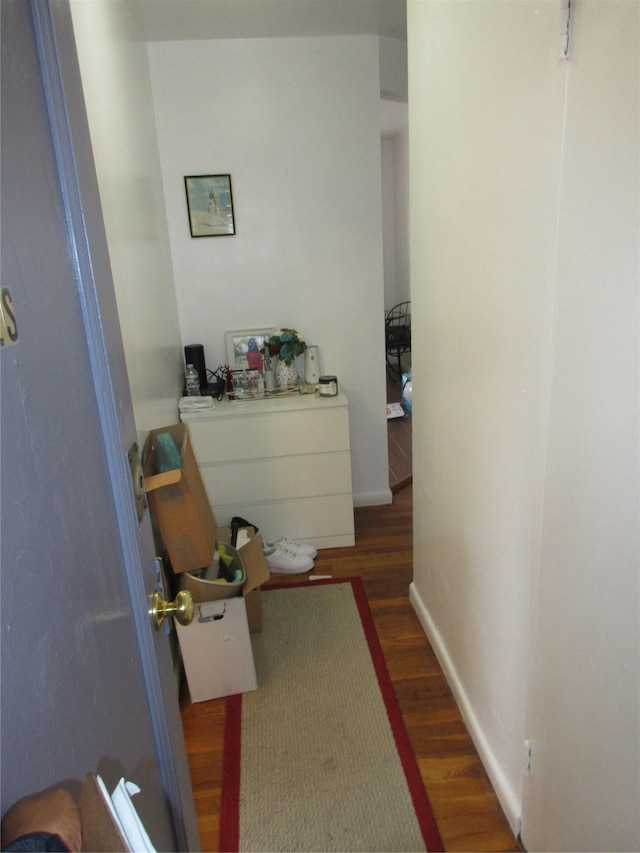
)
(175, 20)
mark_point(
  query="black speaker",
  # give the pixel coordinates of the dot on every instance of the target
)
(194, 354)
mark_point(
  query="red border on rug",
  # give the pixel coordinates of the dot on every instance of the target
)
(229, 837)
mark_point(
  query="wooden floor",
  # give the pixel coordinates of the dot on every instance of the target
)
(465, 806)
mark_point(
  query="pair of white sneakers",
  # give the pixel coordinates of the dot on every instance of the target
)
(288, 557)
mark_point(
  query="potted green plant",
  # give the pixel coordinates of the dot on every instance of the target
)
(284, 346)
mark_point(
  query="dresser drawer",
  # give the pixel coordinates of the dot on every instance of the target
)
(253, 436)
(278, 478)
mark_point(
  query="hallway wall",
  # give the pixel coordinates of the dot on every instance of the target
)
(524, 264)
(117, 85)
(303, 152)
(395, 212)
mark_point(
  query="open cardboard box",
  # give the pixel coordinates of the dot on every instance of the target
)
(188, 529)
(256, 572)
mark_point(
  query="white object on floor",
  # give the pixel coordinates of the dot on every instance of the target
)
(285, 561)
(394, 410)
(297, 547)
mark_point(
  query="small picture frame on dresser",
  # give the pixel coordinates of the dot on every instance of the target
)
(244, 348)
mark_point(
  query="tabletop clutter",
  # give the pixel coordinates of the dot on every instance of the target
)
(222, 567)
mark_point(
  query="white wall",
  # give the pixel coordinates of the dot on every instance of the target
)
(481, 104)
(295, 122)
(522, 275)
(395, 218)
(393, 69)
(584, 709)
(117, 88)
(389, 222)
(401, 184)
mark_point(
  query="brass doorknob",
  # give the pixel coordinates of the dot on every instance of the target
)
(182, 608)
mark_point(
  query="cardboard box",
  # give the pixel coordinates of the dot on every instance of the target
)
(179, 504)
(216, 650)
(256, 571)
(188, 529)
(207, 585)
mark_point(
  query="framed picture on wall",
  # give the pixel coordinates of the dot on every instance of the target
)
(210, 205)
(243, 348)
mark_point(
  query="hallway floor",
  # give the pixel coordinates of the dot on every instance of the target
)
(464, 804)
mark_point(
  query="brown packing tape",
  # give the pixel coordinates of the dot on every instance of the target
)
(158, 481)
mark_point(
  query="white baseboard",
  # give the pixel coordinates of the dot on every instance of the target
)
(380, 498)
(509, 800)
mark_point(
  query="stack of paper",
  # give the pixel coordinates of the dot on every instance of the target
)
(195, 404)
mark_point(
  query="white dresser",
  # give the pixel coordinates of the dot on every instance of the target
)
(283, 464)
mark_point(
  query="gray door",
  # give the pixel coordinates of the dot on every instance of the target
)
(87, 685)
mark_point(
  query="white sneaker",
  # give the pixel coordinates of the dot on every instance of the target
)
(296, 547)
(283, 560)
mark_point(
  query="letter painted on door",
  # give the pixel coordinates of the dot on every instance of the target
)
(8, 324)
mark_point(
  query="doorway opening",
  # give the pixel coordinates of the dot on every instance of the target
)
(399, 437)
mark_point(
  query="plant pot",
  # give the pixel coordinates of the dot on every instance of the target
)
(286, 374)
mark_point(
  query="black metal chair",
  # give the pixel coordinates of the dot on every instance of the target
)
(398, 335)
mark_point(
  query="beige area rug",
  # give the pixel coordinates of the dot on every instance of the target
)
(318, 758)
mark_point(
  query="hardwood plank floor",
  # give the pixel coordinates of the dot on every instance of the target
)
(466, 809)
